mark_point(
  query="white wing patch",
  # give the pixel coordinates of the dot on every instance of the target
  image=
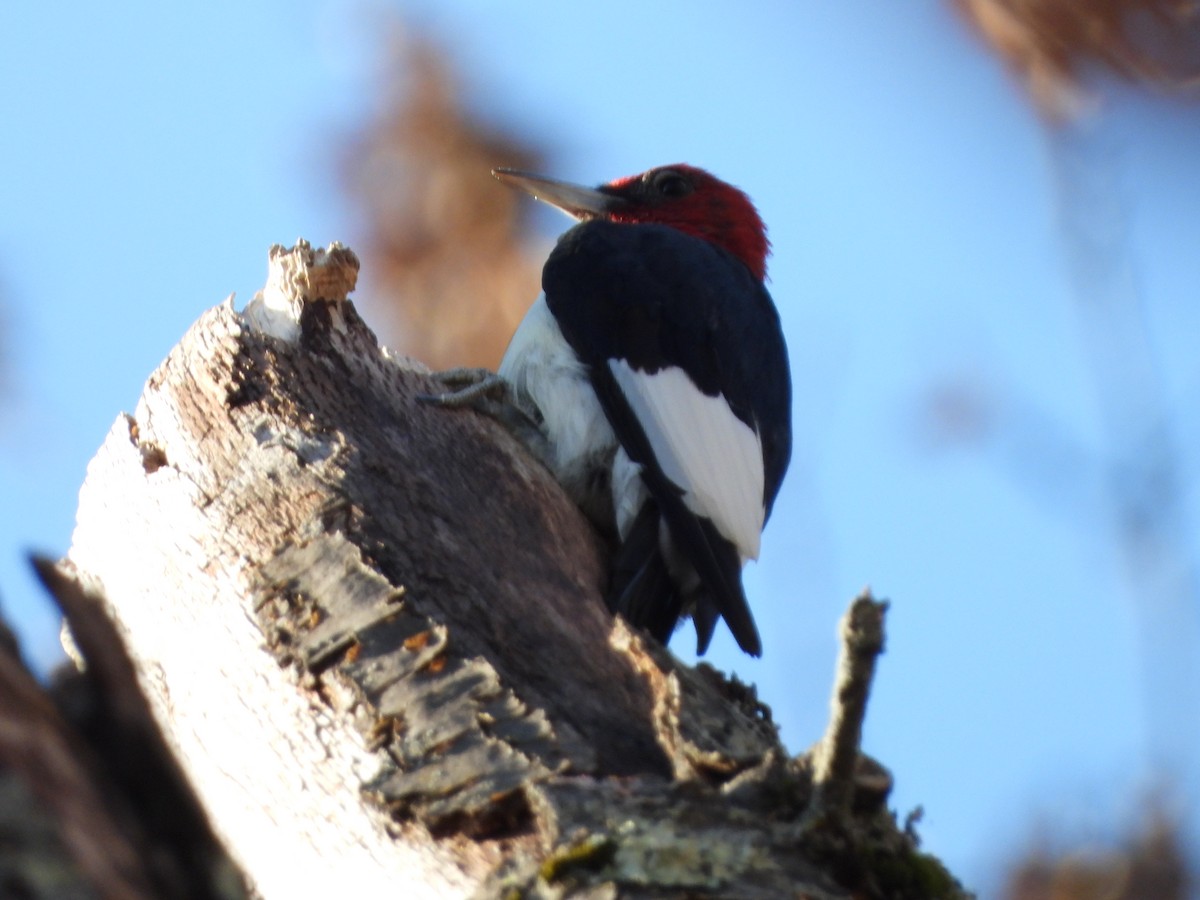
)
(705, 449)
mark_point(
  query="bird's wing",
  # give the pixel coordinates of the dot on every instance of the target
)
(685, 354)
(702, 448)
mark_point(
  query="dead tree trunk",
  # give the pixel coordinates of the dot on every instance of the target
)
(373, 634)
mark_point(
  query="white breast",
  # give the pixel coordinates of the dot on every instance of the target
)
(543, 370)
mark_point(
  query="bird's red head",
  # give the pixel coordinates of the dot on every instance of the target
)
(680, 196)
(697, 203)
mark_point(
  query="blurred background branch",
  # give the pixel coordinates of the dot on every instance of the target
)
(1149, 863)
(1056, 46)
(445, 247)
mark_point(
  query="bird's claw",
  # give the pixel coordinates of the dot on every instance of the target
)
(474, 388)
(486, 392)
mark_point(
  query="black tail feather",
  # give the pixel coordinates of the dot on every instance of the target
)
(721, 593)
(641, 590)
(694, 538)
(704, 615)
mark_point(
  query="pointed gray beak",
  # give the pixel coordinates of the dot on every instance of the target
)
(575, 200)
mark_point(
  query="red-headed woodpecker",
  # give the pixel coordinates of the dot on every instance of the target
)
(654, 371)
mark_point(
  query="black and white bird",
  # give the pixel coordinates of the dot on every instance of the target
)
(654, 374)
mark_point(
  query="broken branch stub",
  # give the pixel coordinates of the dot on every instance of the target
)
(839, 769)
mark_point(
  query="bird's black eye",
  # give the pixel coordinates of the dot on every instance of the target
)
(671, 184)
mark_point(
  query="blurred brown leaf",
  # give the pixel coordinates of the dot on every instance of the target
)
(1152, 866)
(443, 243)
(1051, 44)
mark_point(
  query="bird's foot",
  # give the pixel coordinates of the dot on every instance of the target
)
(471, 388)
(486, 392)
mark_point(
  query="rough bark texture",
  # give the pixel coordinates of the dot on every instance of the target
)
(92, 802)
(374, 635)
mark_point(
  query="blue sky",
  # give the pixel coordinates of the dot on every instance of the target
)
(152, 155)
